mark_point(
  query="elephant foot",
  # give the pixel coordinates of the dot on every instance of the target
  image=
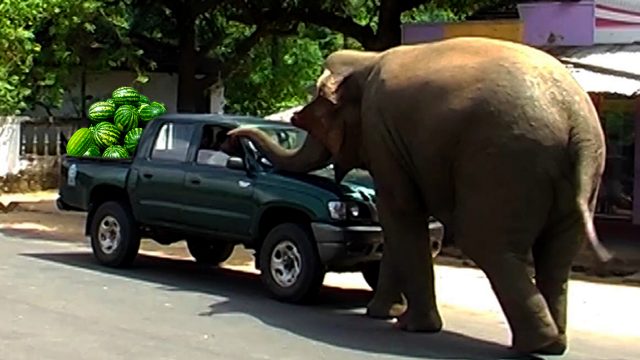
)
(427, 323)
(557, 347)
(552, 347)
(385, 312)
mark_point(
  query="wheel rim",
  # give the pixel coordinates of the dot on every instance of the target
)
(109, 235)
(286, 264)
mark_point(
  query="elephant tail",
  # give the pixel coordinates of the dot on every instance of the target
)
(588, 171)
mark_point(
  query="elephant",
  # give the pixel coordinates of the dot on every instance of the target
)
(495, 139)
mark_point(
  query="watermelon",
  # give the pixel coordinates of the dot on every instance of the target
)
(101, 111)
(79, 142)
(126, 118)
(160, 106)
(125, 95)
(132, 139)
(110, 101)
(144, 100)
(149, 112)
(115, 152)
(106, 134)
(93, 151)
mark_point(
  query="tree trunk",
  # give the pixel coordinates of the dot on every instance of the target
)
(389, 33)
(187, 89)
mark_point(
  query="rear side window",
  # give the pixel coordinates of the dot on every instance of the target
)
(172, 142)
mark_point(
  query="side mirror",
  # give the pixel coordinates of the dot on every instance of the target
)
(235, 163)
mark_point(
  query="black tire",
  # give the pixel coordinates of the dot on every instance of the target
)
(117, 220)
(283, 239)
(209, 252)
(371, 273)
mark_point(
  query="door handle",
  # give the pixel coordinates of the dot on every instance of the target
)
(195, 180)
(147, 175)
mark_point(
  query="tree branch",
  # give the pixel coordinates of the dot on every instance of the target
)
(329, 20)
(226, 67)
(204, 6)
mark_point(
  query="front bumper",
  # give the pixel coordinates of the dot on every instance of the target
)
(345, 247)
(340, 247)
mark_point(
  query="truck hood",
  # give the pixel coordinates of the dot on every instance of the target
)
(357, 185)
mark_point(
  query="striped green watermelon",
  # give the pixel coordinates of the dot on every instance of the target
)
(159, 105)
(79, 142)
(149, 112)
(144, 100)
(93, 151)
(110, 101)
(106, 134)
(115, 152)
(126, 118)
(101, 111)
(125, 95)
(132, 139)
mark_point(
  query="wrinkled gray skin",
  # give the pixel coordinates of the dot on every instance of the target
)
(493, 138)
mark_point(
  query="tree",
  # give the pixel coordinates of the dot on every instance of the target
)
(280, 71)
(42, 41)
(376, 24)
(204, 41)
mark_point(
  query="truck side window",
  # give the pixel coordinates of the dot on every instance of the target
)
(172, 142)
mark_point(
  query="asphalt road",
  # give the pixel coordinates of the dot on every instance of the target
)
(56, 303)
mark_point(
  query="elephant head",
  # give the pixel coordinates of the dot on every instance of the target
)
(332, 119)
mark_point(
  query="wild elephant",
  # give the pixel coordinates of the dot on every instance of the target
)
(493, 138)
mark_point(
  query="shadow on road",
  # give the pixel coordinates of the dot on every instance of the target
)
(336, 318)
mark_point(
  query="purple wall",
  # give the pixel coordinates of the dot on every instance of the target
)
(417, 33)
(557, 23)
(545, 24)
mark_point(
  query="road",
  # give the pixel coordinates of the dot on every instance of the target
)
(56, 303)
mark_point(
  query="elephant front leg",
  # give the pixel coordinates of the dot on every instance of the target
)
(410, 260)
(387, 301)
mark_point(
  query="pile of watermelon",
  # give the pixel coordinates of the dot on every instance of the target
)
(117, 124)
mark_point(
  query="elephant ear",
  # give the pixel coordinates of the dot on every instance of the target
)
(344, 75)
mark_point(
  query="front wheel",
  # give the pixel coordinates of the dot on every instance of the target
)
(209, 252)
(115, 239)
(290, 267)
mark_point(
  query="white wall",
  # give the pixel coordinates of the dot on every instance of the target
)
(10, 145)
(161, 87)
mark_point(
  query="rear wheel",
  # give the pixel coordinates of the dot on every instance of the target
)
(290, 267)
(115, 239)
(209, 252)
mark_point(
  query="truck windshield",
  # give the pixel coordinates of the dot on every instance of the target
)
(293, 138)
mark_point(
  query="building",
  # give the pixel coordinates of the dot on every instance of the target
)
(599, 41)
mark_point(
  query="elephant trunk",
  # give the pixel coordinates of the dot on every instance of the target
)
(312, 155)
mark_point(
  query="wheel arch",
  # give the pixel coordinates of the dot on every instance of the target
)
(101, 194)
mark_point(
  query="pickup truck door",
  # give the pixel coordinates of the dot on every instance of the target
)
(159, 176)
(219, 199)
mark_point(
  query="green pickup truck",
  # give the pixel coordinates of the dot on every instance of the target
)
(177, 187)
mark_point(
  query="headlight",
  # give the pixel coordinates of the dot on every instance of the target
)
(341, 210)
(338, 210)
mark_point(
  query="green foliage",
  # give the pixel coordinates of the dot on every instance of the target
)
(280, 72)
(42, 41)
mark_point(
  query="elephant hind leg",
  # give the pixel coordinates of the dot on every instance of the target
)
(497, 229)
(525, 308)
(553, 254)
